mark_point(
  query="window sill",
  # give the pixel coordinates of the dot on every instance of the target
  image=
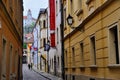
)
(73, 67)
(66, 67)
(82, 66)
(114, 66)
(93, 66)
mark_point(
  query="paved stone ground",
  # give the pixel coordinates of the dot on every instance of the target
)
(49, 76)
(31, 75)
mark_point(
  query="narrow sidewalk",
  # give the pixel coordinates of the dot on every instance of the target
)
(47, 75)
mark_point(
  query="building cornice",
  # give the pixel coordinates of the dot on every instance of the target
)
(89, 18)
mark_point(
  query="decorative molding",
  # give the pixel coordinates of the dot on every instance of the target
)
(93, 66)
(114, 66)
(80, 11)
(88, 1)
(87, 19)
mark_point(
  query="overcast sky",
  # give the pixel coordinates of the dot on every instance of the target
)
(35, 6)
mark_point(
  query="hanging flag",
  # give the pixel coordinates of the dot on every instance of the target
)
(35, 48)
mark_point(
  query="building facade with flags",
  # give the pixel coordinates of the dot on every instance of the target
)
(53, 48)
(40, 34)
(43, 20)
(28, 25)
(35, 46)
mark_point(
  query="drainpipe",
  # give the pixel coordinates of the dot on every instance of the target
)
(62, 39)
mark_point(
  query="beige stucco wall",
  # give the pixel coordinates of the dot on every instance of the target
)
(97, 26)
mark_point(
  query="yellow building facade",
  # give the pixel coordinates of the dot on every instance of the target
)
(92, 50)
(11, 39)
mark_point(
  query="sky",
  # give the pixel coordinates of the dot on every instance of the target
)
(34, 6)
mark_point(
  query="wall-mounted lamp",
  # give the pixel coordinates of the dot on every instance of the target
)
(70, 21)
(47, 46)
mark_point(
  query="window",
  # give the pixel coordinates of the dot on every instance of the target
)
(73, 56)
(64, 18)
(44, 23)
(66, 59)
(73, 77)
(79, 8)
(56, 7)
(11, 3)
(41, 43)
(72, 6)
(81, 54)
(52, 63)
(93, 51)
(11, 7)
(57, 36)
(40, 23)
(44, 42)
(4, 58)
(16, 61)
(113, 45)
(10, 58)
(59, 5)
(65, 77)
(80, 4)
(58, 62)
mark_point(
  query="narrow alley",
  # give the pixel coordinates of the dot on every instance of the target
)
(31, 74)
(59, 39)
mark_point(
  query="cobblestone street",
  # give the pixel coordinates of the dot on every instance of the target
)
(31, 75)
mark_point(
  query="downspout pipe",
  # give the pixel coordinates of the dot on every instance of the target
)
(62, 41)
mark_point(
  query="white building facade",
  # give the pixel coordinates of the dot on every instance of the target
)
(55, 52)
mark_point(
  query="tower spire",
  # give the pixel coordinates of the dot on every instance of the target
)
(29, 14)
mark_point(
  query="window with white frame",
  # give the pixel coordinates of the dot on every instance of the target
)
(114, 54)
(93, 50)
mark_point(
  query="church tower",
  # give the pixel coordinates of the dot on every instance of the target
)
(29, 15)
